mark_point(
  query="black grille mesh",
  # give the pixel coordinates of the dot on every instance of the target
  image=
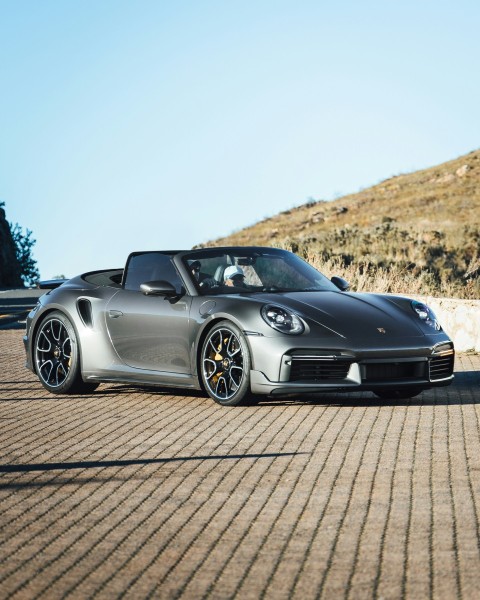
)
(318, 370)
(394, 371)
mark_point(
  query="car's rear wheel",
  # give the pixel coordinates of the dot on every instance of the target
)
(398, 394)
(57, 356)
(225, 365)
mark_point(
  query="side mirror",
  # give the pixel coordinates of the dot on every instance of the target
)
(341, 284)
(158, 288)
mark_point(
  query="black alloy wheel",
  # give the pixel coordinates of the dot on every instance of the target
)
(57, 356)
(225, 365)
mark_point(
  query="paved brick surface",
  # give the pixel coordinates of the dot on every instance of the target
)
(146, 493)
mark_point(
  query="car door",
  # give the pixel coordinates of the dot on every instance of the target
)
(151, 332)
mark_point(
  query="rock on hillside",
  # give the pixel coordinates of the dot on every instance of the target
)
(9, 266)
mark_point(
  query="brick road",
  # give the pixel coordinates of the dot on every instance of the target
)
(147, 493)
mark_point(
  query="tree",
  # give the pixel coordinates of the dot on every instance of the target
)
(23, 247)
(16, 259)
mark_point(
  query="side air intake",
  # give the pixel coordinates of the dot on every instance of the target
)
(84, 308)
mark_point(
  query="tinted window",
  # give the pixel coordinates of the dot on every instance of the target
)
(150, 266)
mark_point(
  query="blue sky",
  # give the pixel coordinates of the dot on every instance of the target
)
(159, 124)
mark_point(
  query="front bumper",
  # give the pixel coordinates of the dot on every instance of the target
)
(309, 370)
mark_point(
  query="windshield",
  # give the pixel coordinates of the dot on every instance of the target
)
(245, 270)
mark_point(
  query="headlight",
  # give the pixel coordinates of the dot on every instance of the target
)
(426, 314)
(282, 320)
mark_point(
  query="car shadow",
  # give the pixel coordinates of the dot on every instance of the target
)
(115, 389)
(464, 381)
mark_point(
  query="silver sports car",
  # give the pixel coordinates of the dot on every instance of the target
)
(237, 323)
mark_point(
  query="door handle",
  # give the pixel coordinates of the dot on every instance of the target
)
(114, 314)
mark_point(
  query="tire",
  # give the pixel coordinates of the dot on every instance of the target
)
(398, 394)
(225, 365)
(57, 356)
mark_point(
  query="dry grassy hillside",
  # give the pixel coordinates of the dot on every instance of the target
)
(424, 225)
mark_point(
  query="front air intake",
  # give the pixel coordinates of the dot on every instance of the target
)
(441, 365)
(314, 368)
(442, 362)
(394, 371)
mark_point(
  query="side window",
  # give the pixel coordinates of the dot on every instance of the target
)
(151, 266)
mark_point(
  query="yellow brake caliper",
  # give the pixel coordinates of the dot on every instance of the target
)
(218, 357)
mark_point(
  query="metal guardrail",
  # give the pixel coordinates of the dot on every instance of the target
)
(15, 306)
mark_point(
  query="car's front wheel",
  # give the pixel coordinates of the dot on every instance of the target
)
(57, 356)
(225, 365)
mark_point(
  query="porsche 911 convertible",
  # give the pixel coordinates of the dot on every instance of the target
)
(237, 323)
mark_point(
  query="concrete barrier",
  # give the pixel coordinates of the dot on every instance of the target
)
(459, 318)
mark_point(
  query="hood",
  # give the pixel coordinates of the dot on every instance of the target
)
(353, 316)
